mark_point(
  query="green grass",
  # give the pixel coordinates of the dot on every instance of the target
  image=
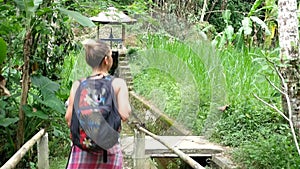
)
(167, 97)
(58, 162)
(218, 77)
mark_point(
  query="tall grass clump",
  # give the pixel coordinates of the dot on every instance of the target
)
(166, 97)
(245, 72)
(187, 70)
(247, 118)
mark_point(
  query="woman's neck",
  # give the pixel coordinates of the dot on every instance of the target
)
(99, 72)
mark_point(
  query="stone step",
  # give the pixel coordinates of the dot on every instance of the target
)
(125, 67)
(129, 82)
(130, 87)
(123, 63)
(128, 79)
(125, 71)
(125, 74)
(121, 58)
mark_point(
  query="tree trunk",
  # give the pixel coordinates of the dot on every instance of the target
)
(224, 5)
(203, 10)
(25, 88)
(289, 55)
(211, 9)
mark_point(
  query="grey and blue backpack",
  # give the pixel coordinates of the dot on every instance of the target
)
(95, 122)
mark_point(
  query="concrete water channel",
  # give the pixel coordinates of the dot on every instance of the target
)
(143, 151)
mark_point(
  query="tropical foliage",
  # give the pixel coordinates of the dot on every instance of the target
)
(37, 40)
(219, 60)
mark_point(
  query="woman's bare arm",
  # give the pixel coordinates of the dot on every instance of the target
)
(68, 115)
(121, 92)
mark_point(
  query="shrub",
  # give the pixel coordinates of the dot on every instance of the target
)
(274, 152)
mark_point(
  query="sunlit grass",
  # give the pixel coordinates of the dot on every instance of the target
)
(58, 163)
(177, 61)
(222, 77)
(245, 73)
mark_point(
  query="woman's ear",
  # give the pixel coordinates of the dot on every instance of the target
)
(105, 60)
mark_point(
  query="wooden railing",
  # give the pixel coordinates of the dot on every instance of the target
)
(139, 152)
(41, 138)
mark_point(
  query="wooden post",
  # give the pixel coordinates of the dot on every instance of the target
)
(123, 36)
(43, 152)
(139, 150)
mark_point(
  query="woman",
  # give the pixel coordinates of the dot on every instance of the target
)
(98, 55)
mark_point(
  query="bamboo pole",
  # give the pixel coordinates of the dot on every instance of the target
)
(15, 159)
(183, 156)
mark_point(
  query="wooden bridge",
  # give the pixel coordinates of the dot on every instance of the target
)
(194, 146)
(139, 149)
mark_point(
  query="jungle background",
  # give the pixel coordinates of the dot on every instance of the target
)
(41, 41)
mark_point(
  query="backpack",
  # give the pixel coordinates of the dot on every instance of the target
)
(95, 122)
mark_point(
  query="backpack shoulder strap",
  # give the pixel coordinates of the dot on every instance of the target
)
(111, 78)
(75, 86)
